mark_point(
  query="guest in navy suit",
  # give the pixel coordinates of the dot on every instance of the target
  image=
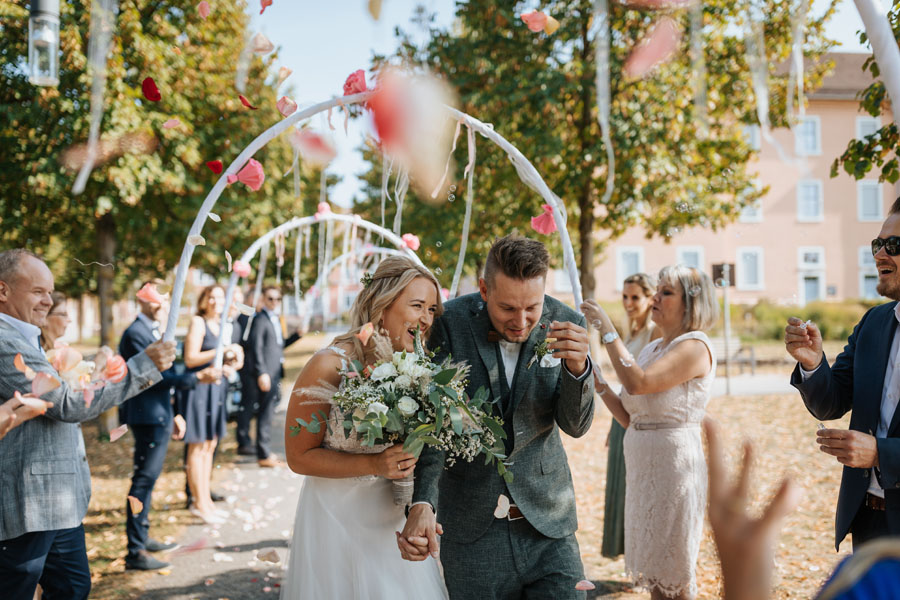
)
(864, 379)
(149, 416)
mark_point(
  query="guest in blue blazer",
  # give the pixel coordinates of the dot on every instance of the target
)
(149, 415)
(865, 381)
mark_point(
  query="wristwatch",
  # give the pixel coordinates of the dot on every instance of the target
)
(609, 337)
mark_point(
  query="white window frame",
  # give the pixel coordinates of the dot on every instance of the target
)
(802, 265)
(620, 263)
(740, 283)
(680, 251)
(866, 264)
(817, 183)
(756, 216)
(798, 144)
(861, 121)
(561, 282)
(805, 269)
(869, 183)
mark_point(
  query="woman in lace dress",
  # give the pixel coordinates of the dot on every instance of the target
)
(344, 543)
(665, 393)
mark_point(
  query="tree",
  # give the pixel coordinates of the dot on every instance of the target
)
(137, 207)
(539, 92)
(880, 147)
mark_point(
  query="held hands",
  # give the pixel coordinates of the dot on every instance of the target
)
(264, 382)
(745, 544)
(209, 375)
(7, 416)
(394, 463)
(180, 426)
(803, 341)
(418, 539)
(571, 345)
(851, 448)
(162, 354)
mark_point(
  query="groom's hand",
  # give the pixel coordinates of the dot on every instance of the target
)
(571, 345)
(419, 536)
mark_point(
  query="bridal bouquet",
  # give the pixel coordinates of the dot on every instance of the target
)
(407, 397)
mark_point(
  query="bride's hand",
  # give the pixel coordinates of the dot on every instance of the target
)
(394, 463)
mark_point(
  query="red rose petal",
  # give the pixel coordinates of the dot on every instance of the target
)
(215, 166)
(151, 92)
(246, 103)
(264, 4)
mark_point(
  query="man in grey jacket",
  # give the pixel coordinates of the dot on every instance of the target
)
(515, 539)
(45, 483)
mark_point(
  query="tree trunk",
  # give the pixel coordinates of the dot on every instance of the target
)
(585, 197)
(586, 240)
(106, 250)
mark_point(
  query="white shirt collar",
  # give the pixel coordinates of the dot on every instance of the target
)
(30, 332)
(148, 321)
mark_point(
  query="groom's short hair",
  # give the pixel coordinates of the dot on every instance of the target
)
(516, 257)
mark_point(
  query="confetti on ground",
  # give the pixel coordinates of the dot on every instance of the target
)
(118, 432)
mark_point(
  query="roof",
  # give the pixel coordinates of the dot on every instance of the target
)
(846, 79)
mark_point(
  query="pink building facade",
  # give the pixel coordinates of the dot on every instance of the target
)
(808, 239)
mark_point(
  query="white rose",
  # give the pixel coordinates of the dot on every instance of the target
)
(407, 406)
(406, 364)
(377, 408)
(403, 381)
(383, 371)
(417, 371)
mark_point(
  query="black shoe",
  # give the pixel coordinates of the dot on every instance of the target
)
(246, 451)
(157, 546)
(144, 562)
(216, 497)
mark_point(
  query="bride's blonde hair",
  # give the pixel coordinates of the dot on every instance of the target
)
(391, 277)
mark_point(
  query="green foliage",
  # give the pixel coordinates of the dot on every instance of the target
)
(766, 321)
(148, 198)
(878, 149)
(539, 92)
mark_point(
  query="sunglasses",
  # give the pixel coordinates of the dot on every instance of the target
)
(273, 298)
(891, 245)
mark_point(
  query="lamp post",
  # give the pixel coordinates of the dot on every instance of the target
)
(43, 43)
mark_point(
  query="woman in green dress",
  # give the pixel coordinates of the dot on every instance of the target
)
(637, 293)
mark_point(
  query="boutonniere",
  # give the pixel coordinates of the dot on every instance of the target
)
(543, 353)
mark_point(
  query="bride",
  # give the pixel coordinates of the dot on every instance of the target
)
(344, 543)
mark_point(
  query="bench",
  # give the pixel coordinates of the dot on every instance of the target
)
(739, 354)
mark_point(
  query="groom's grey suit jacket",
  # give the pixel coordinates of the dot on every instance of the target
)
(45, 482)
(544, 400)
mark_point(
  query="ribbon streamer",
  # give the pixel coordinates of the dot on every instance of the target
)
(464, 242)
(698, 69)
(601, 55)
(102, 17)
(298, 257)
(257, 290)
(795, 75)
(401, 186)
(440, 184)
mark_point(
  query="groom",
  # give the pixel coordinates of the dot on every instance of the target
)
(531, 550)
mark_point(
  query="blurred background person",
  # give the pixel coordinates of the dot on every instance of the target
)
(57, 321)
(150, 418)
(264, 368)
(203, 407)
(665, 393)
(637, 300)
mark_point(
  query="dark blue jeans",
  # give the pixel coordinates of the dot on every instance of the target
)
(150, 445)
(56, 559)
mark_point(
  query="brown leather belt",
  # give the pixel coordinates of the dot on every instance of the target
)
(874, 502)
(514, 513)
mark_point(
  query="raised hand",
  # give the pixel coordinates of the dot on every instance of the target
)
(803, 341)
(394, 463)
(745, 545)
(571, 345)
(162, 354)
(596, 316)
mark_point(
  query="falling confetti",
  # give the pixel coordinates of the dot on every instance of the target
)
(584, 586)
(149, 293)
(261, 44)
(214, 217)
(196, 240)
(365, 333)
(136, 505)
(246, 102)
(657, 47)
(286, 106)
(215, 166)
(151, 92)
(269, 556)
(171, 124)
(118, 432)
(502, 509)
(264, 4)
(411, 241)
(283, 73)
(203, 9)
(241, 268)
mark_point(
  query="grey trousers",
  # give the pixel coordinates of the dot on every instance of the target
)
(513, 561)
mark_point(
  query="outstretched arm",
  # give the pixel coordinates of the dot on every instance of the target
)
(575, 397)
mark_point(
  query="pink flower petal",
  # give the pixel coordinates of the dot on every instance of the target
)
(136, 505)
(411, 241)
(264, 4)
(656, 47)
(260, 44)
(88, 396)
(283, 73)
(150, 294)
(192, 547)
(171, 124)
(64, 358)
(355, 83)
(551, 25)
(241, 268)
(31, 402)
(251, 175)
(215, 166)
(43, 383)
(246, 102)
(115, 370)
(535, 20)
(315, 148)
(584, 585)
(118, 432)
(151, 92)
(544, 223)
(365, 333)
(286, 106)
(445, 294)
(19, 363)
(203, 9)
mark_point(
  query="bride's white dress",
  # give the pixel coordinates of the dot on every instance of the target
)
(344, 544)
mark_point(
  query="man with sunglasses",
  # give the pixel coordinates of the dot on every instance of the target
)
(261, 376)
(865, 381)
